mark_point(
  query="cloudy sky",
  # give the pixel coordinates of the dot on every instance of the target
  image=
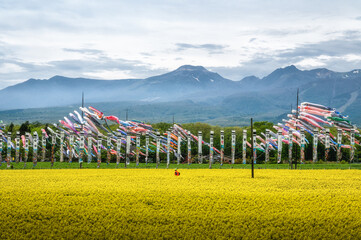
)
(141, 38)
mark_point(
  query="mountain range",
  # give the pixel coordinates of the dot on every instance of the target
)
(191, 93)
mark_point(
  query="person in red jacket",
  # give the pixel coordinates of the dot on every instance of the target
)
(176, 172)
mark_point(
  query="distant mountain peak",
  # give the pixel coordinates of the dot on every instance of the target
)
(191, 68)
(286, 70)
(190, 79)
(322, 70)
(281, 72)
(57, 77)
(289, 69)
(250, 78)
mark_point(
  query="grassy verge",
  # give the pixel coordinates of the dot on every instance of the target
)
(74, 165)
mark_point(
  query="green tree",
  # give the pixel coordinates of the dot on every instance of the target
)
(10, 127)
(25, 127)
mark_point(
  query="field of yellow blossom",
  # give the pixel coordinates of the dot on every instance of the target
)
(200, 203)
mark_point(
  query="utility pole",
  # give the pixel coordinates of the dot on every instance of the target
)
(327, 144)
(315, 143)
(244, 146)
(298, 90)
(99, 148)
(339, 141)
(200, 147)
(35, 149)
(211, 149)
(127, 151)
(119, 145)
(290, 144)
(179, 153)
(168, 148)
(233, 150)
(267, 146)
(189, 148)
(17, 146)
(303, 143)
(53, 142)
(222, 147)
(8, 153)
(279, 145)
(158, 148)
(146, 147)
(81, 149)
(137, 150)
(26, 149)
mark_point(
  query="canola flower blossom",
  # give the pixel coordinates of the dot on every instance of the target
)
(200, 203)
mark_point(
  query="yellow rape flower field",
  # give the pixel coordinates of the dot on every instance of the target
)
(200, 203)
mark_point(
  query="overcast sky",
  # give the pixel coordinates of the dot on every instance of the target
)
(142, 38)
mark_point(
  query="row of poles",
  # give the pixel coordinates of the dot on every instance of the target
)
(327, 143)
(99, 144)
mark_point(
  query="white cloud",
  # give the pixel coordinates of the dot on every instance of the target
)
(109, 74)
(10, 68)
(311, 63)
(352, 57)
